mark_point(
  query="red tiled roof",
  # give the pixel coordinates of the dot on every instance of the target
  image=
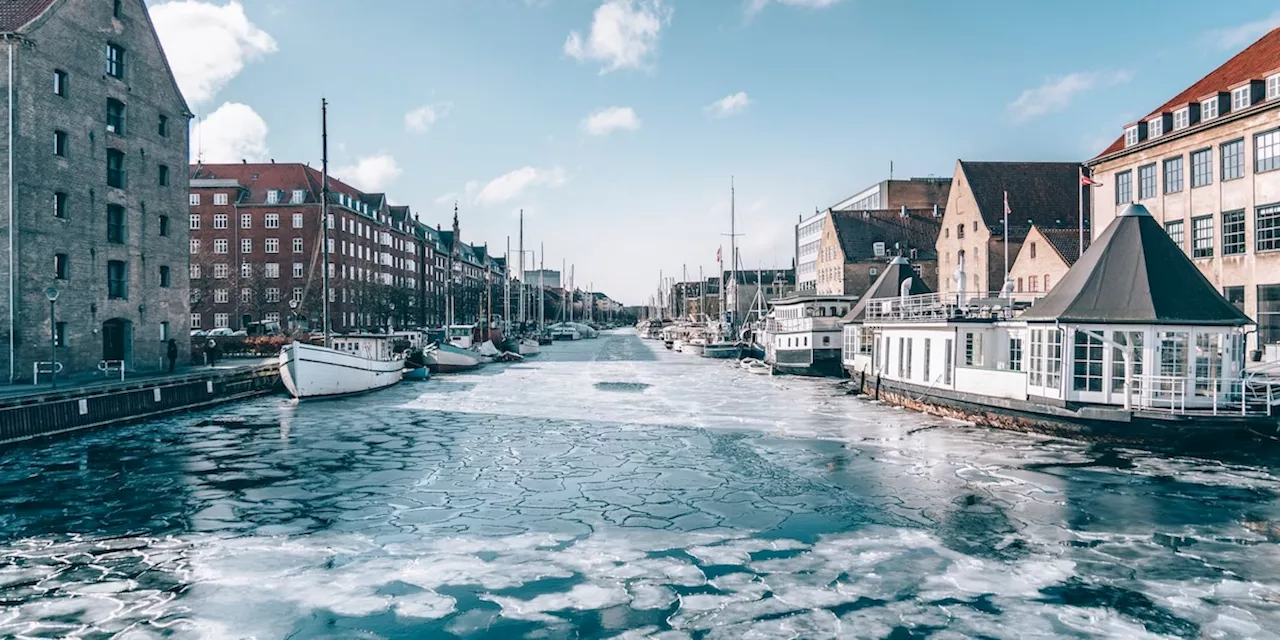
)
(1253, 63)
(15, 14)
(259, 178)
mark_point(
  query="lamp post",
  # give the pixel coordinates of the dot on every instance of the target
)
(52, 294)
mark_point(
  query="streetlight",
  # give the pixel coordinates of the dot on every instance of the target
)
(52, 294)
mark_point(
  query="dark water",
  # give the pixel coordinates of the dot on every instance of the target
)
(607, 490)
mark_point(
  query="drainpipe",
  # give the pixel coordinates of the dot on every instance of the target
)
(12, 351)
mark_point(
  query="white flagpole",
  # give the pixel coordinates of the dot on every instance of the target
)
(1080, 195)
(1006, 239)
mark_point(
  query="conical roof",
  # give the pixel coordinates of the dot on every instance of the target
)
(889, 285)
(1135, 274)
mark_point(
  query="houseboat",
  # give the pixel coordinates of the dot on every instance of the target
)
(1133, 345)
(803, 334)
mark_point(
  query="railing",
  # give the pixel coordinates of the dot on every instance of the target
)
(1176, 394)
(108, 367)
(940, 307)
(44, 367)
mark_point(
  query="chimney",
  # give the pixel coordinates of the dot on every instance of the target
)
(243, 161)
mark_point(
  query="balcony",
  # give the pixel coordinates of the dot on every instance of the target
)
(945, 307)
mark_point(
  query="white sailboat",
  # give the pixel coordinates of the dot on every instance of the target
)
(351, 363)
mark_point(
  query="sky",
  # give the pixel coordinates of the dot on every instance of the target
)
(618, 125)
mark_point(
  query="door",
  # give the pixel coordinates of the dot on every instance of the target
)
(116, 339)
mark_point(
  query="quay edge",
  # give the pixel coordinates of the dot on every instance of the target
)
(39, 415)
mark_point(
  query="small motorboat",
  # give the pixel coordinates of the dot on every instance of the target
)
(449, 359)
(723, 350)
(529, 347)
(416, 373)
(758, 367)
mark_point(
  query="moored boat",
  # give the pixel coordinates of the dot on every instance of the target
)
(450, 359)
(723, 350)
(355, 364)
(529, 347)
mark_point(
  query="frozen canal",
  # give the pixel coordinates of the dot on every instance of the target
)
(608, 490)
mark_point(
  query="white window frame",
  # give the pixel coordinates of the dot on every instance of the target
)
(1209, 108)
(1182, 118)
(1131, 136)
(195, 246)
(220, 220)
(299, 195)
(246, 269)
(297, 245)
(1155, 127)
(219, 199)
(271, 221)
(1241, 97)
(1273, 86)
(220, 245)
(221, 270)
(271, 245)
(246, 221)
(297, 221)
(194, 221)
(195, 321)
(194, 271)
(221, 296)
(297, 270)
(221, 320)
(273, 294)
(194, 199)
(246, 245)
(271, 270)
(273, 196)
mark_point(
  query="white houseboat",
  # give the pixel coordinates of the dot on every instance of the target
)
(356, 363)
(1133, 345)
(803, 334)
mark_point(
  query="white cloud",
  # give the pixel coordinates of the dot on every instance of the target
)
(233, 133)
(624, 34)
(370, 173)
(1056, 93)
(756, 6)
(511, 185)
(420, 120)
(729, 105)
(1242, 35)
(448, 198)
(207, 44)
(606, 121)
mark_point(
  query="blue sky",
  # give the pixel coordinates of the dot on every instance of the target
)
(490, 102)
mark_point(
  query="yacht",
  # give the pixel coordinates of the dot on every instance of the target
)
(803, 334)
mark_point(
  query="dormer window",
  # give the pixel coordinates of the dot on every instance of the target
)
(298, 196)
(1131, 136)
(1240, 98)
(1155, 127)
(1182, 118)
(1209, 108)
(1273, 87)
(273, 197)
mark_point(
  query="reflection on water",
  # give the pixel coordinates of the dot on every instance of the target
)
(608, 489)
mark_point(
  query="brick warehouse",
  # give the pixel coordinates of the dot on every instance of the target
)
(255, 247)
(92, 186)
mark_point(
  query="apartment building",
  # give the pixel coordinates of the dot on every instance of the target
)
(857, 245)
(1205, 164)
(96, 149)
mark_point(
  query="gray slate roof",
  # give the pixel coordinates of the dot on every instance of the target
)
(1135, 274)
(888, 285)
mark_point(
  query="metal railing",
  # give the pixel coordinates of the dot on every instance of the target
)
(940, 307)
(1176, 394)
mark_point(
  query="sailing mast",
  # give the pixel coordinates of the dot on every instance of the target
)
(520, 273)
(733, 256)
(542, 269)
(506, 292)
(324, 219)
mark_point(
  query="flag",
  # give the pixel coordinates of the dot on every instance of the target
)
(1007, 211)
(1085, 181)
(718, 253)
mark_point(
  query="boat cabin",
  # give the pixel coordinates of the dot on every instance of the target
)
(373, 346)
(461, 336)
(803, 333)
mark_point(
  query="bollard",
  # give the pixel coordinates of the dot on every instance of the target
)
(862, 385)
(877, 386)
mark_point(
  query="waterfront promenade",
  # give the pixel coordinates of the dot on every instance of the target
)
(610, 488)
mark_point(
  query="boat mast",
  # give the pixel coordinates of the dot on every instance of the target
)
(324, 219)
(506, 292)
(542, 269)
(520, 273)
(702, 292)
(733, 256)
(573, 293)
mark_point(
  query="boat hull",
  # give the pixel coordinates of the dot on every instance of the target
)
(449, 359)
(529, 347)
(1155, 429)
(808, 362)
(310, 371)
(722, 351)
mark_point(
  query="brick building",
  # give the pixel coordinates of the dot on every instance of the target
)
(256, 252)
(856, 246)
(1205, 164)
(92, 197)
(1043, 259)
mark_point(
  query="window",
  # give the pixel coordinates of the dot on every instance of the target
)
(164, 331)
(59, 83)
(164, 277)
(115, 61)
(1155, 127)
(60, 143)
(164, 176)
(221, 271)
(906, 357)
(1176, 233)
(946, 362)
(117, 280)
(221, 320)
(220, 245)
(221, 296)
(194, 199)
(194, 221)
(246, 295)
(164, 226)
(271, 221)
(272, 270)
(1233, 232)
(1124, 187)
(246, 245)
(61, 269)
(297, 295)
(960, 231)
(162, 126)
(116, 224)
(1209, 108)
(1209, 348)
(1047, 286)
(297, 245)
(1240, 98)
(273, 294)
(1035, 377)
(1131, 136)
(1015, 354)
(60, 205)
(115, 116)
(1053, 359)
(195, 271)
(115, 168)
(1233, 160)
(1033, 250)
(195, 321)
(1202, 237)
(297, 269)
(299, 195)
(219, 221)
(1088, 362)
(220, 199)
(1234, 295)
(246, 221)
(1173, 175)
(1182, 118)
(1266, 151)
(1033, 283)
(297, 221)
(1173, 353)
(117, 8)
(246, 269)
(195, 246)
(928, 347)
(272, 245)
(1123, 338)
(1147, 181)
(1266, 225)
(972, 349)
(1268, 313)
(273, 197)
(1201, 167)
